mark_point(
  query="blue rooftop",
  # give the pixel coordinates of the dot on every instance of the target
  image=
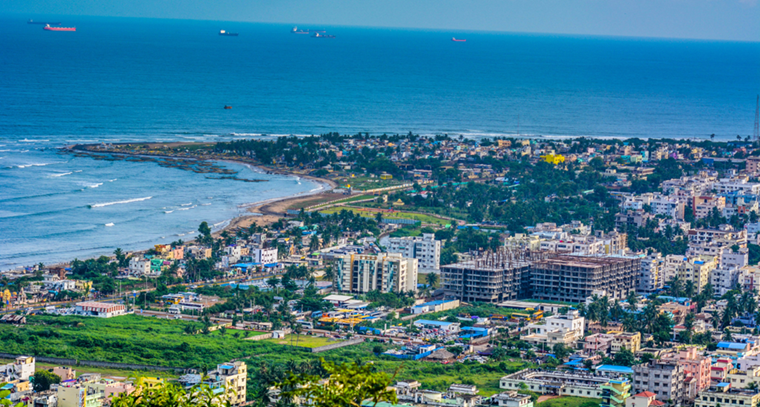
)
(732, 345)
(614, 369)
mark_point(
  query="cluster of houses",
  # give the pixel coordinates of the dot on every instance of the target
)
(228, 383)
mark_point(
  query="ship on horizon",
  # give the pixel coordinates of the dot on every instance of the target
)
(295, 30)
(227, 34)
(457, 40)
(49, 28)
(318, 35)
(43, 22)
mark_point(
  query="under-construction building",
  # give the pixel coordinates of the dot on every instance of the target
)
(574, 278)
(490, 277)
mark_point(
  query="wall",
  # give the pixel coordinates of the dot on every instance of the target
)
(336, 345)
(93, 363)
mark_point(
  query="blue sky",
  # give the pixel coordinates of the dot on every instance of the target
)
(702, 19)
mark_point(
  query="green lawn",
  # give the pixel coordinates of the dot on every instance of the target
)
(304, 341)
(367, 213)
(129, 339)
(571, 402)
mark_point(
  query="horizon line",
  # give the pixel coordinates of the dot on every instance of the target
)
(452, 30)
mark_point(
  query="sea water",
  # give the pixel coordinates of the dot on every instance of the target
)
(121, 80)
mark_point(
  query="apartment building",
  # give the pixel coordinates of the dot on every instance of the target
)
(615, 392)
(739, 184)
(567, 329)
(555, 382)
(697, 270)
(627, 340)
(233, 378)
(724, 279)
(492, 277)
(724, 395)
(651, 276)
(704, 205)
(596, 343)
(21, 369)
(384, 272)
(574, 278)
(425, 249)
(696, 369)
(263, 256)
(663, 378)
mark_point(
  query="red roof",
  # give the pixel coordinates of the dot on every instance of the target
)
(645, 394)
(656, 403)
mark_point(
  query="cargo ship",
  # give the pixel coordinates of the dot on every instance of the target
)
(295, 30)
(456, 40)
(49, 28)
(225, 33)
(318, 35)
(42, 22)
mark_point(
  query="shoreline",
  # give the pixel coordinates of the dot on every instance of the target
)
(271, 209)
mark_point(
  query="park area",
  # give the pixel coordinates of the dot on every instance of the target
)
(389, 214)
(304, 341)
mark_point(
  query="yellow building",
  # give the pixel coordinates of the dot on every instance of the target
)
(697, 270)
(386, 176)
(83, 285)
(553, 158)
(628, 340)
(615, 393)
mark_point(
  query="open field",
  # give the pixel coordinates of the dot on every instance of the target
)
(371, 213)
(305, 341)
(129, 339)
(365, 183)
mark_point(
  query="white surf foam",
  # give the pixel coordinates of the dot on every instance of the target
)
(109, 224)
(168, 211)
(100, 205)
(63, 174)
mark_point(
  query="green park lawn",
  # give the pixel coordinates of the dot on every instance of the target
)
(305, 341)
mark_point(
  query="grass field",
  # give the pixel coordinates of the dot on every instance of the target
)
(369, 213)
(304, 341)
(365, 183)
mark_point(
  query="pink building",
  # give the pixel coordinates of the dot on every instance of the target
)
(117, 388)
(720, 369)
(65, 373)
(696, 367)
(598, 343)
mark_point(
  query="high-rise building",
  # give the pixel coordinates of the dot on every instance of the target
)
(651, 276)
(493, 277)
(425, 249)
(384, 272)
(575, 278)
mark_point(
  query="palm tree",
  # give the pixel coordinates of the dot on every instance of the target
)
(689, 289)
(632, 299)
(675, 286)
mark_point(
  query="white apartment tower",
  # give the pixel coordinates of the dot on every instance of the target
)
(384, 272)
(425, 249)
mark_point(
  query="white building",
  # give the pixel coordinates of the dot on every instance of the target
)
(139, 266)
(99, 309)
(384, 272)
(724, 279)
(20, 369)
(425, 249)
(264, 256)
(737, 184)
(566, 329)
(651, 279)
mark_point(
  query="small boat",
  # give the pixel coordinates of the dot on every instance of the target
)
(458, 40)
(227, 107)
(109, 224)
(227, 34)
(295, 30)
(318, 35)
(49, 28)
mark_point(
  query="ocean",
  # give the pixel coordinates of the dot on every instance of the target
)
(127, 79)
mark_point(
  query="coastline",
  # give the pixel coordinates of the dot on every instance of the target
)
(262, 212)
